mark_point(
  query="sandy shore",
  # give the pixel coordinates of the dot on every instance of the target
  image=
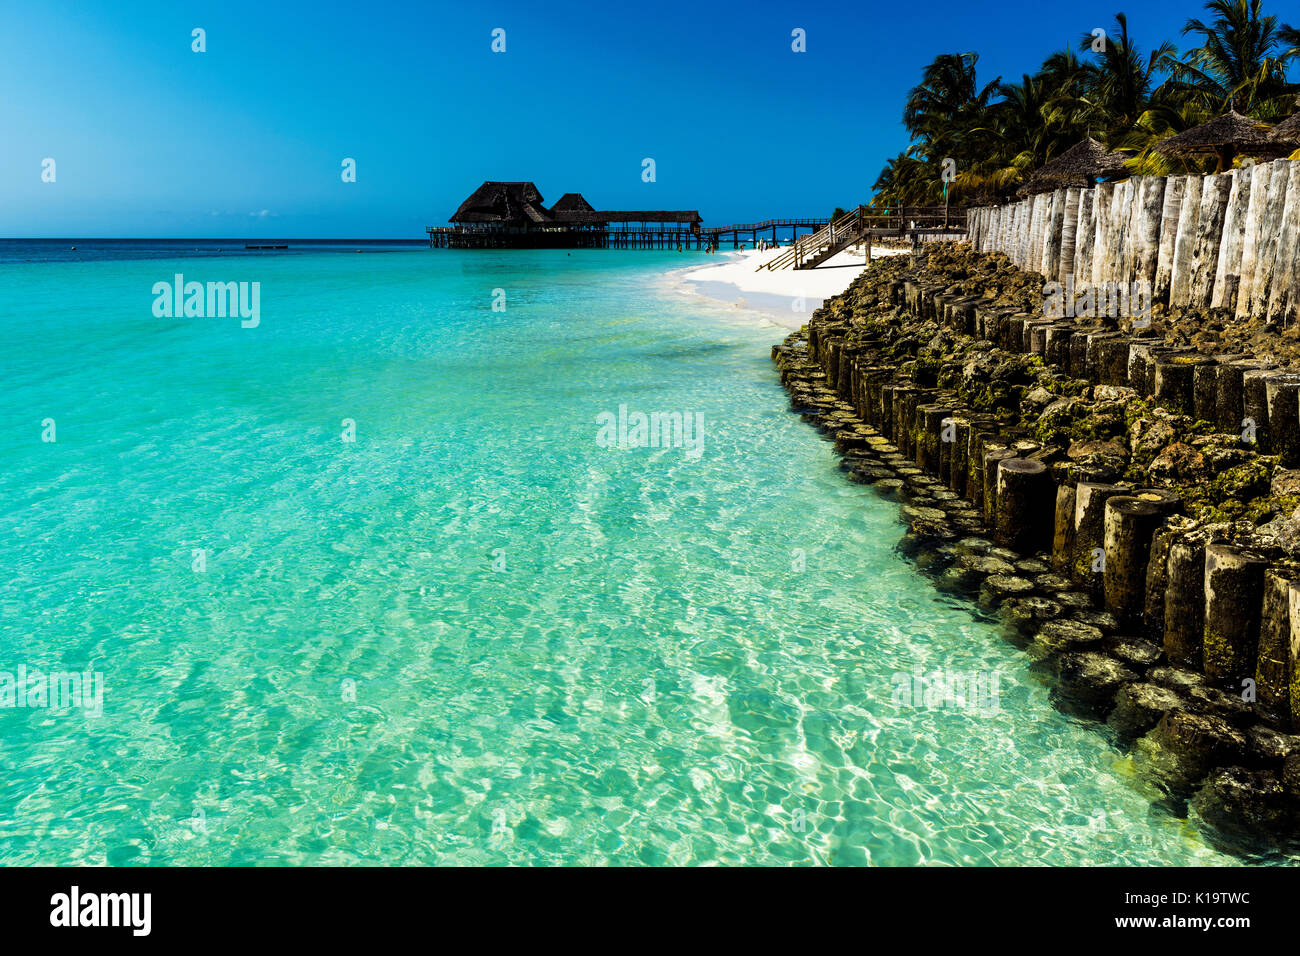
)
(785, 295)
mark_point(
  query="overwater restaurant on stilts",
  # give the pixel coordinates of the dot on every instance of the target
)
(511, 215)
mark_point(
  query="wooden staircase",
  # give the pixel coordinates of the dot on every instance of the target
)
(811, 251)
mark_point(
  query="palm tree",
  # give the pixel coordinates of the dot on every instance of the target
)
(1289, 38)
(1120, 85)
(998, 133)
(947, 94)
(906, 181)
(946, 114)
(1062, 73)
(1165, 117)
(1021, 126)
(1241, 62)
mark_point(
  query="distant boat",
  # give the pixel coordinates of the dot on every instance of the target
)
(251, 246)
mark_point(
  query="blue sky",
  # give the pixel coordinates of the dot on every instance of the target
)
(247, 139)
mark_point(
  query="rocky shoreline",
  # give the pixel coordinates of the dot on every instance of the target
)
(1123, 500)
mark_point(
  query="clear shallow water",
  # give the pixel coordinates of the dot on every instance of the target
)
(560, 652)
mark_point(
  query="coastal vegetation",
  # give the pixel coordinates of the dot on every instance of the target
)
(1128, 94)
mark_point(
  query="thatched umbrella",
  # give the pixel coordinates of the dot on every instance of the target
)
(1081, 165)
(1224, 136)
(1287, 133)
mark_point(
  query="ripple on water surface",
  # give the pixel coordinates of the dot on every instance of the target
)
(474, 635)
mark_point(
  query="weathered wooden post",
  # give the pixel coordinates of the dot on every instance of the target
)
(1284, 291)
(1129, 525)
(1282, 395)
(1284, 190)
(1254, 407)
(1260, 187)
(886, 424)
(1077, 352)
(1234, 585)
(958, 449)
(1293, 599)
(1185, 599)
(1090, 530)
(984, 435)
(1174, 372)
(928, 432)
(1069, 234)
(1110, 242)
(1229, 396)
(1103, 239)
(1056, 343)
(1233, 242)
(901, 416)
(1142, 355)
(1180, 275)
(994, 455)
(1063, 528)
(1175, 188)
(1038, 337)
(1085, 237)
(1209, 233)
(1205, 390)
(1112, 359)
(1273, 671)
(1146, 236)
(1024, 504)
(1050, 263)
(1153, 613)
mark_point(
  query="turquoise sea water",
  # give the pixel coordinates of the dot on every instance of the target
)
(473, 634)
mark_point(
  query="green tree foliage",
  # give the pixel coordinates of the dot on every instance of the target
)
(1112, 89)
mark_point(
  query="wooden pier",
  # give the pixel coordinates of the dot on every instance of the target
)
(510, 215)
(775, 226)
(651, 230)
(614, 235)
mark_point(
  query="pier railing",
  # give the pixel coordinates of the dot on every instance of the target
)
(917, 222)
(764, 226)
(812, 246)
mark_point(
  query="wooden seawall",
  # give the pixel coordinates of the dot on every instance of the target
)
(1178, 627)
(1228, 241)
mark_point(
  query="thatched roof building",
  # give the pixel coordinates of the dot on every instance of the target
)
(1224, 136)
(519, 204)
(1083, 164)
(1287, 132)
(506, 204)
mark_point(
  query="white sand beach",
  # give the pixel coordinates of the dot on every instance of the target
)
(787, 296)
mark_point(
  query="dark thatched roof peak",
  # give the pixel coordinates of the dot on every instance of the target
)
(503, 202)
(520, 204)
(1231, 130)
(1081, 165)
(569, 203)
(1287, 132)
